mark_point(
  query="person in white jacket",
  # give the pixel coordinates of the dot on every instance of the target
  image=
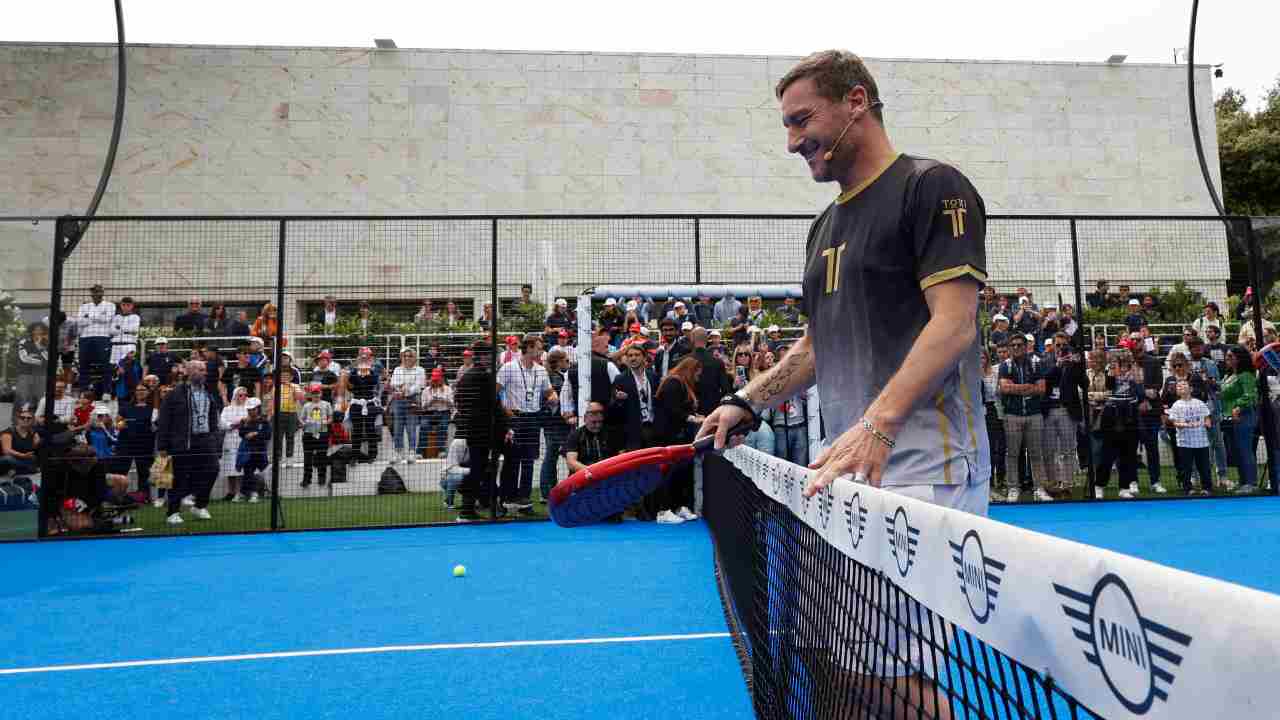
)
(455, 470)
(93, 320)
(124, 331)
(407, 382)
(229, 423)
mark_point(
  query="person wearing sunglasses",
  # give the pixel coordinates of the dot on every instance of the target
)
(18, 445)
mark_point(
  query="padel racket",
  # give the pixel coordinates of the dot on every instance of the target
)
(612, 485)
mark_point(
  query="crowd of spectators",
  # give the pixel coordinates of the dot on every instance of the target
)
(1059, 403)
(1056, 402)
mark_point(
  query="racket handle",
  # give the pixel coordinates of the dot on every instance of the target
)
(706, 443)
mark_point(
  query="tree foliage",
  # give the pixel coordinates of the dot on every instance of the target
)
(1249, 151)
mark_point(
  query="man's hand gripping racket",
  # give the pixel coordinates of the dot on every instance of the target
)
(612, 485)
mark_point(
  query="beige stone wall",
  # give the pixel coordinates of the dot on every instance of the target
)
(348, 131)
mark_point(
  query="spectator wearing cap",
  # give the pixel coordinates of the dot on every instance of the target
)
(1135, 319)
(407, 383)
(437, 406)
(187, 429)
(95, 318)
(726, 309)
(525, 388)
(240, 326)
(680, 312)
(715, 342)
(559, 319)
(632, 313)
(101, 434)
(194, 320)
(328, 374)
(468, 362)
(638, 334)
(317, 414)
(124, 330)
(251, 456)
(512, 352)
(564, 341)
(704, 311)
(773, 338)
(611, 319)
(161, 360)
(999, 330)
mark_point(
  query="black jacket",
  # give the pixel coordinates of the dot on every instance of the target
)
(626, 413)
(672, 408)
(173, 427)
(714, 382)
(478, 408)
(677, 351)
(191, 322)
(600, 382)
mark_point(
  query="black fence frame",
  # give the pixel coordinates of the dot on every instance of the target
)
(69, 230)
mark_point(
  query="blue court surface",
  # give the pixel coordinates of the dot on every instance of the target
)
(599, 622)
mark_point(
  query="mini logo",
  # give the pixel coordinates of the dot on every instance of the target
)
(979, 575)
(903, 540)
(1137, 656)
(824, 507)
(776, 478)
(855, 516)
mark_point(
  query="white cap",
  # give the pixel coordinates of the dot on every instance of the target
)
(999, 316)
(678, 304)
(1048, 341)
(1050, 307)
(1134, 301)
(689, 326)
(715, 333)
(610, 302)
(1030, 338)
(631, 305)
(774, 328)
(162, 341)
(1023, 299)
(252, 403)
(561, 302)
(256, 340)
(644, 331)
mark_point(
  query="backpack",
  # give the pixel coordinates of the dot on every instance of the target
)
(391, 483)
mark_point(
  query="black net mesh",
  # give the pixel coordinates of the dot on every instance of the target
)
(819, 635)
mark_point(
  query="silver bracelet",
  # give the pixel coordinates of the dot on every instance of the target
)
(866, 425)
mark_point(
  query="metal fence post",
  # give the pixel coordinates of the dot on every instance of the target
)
(494, 447)
(1264, 401)
(60, 233)
(1079, 341)
(276, 439)
(697, 251)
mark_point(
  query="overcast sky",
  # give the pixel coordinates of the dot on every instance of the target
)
(1238, 33)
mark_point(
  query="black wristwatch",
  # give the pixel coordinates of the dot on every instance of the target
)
(734, 399)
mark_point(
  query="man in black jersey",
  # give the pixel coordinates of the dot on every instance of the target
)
(894, 266)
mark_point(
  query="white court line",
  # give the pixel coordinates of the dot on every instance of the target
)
(359, 651)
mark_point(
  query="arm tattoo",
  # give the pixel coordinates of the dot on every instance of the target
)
(776, 383)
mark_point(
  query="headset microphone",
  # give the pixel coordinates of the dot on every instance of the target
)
(832, 152)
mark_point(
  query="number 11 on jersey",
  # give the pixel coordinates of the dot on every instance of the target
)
(833, 256)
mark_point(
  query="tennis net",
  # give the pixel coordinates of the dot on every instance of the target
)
(860, 603)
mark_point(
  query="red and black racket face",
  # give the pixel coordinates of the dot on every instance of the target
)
(611, 486)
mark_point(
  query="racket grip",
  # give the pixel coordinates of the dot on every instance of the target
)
(706, 443)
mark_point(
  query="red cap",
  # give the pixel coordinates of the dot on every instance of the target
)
(564, 333)
(467, 353)
(437, 374)
(326, 354)
(315, 388)
(635, 327)
(512, 340)
(364, 350)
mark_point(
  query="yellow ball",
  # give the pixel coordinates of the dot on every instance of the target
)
(459, 570)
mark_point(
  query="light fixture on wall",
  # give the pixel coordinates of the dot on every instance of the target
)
(385, 43)
(1217, 70)
(1117, 59)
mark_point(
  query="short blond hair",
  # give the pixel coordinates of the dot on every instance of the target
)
(835, 73)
